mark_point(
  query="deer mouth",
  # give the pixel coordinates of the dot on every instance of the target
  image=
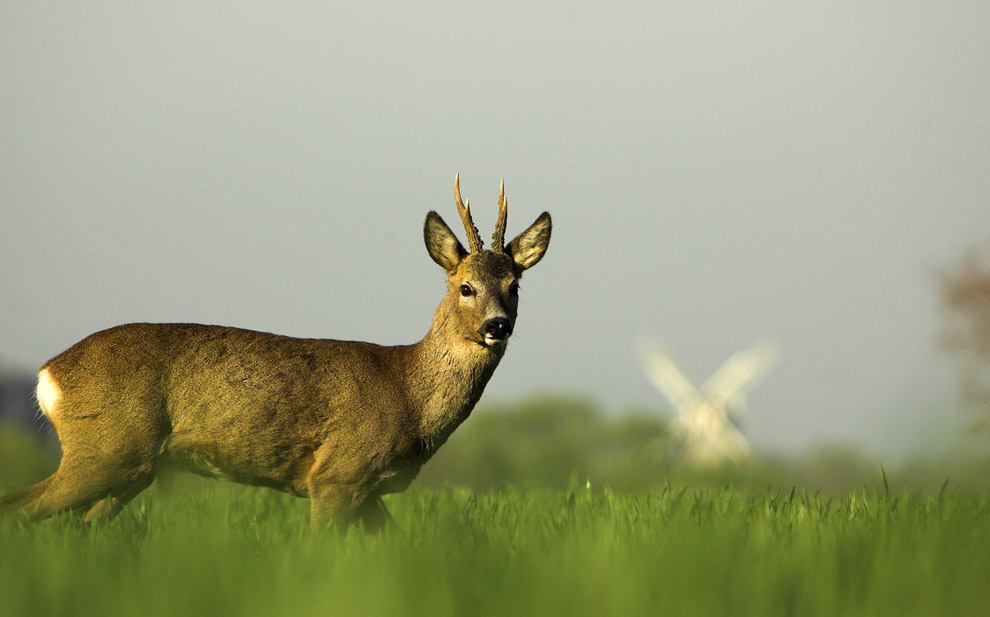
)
(496, 343)
(487, 342)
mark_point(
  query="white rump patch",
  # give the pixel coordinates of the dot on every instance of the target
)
(49, 394)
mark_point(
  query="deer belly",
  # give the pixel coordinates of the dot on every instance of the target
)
(280, 466)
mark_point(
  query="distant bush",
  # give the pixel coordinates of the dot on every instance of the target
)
(567, 441)
(552, 441)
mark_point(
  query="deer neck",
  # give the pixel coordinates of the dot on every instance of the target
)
(448, 376)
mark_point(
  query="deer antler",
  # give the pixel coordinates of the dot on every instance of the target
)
(498, 238)
(474, 240)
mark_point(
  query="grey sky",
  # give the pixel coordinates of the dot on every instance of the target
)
(717, 173)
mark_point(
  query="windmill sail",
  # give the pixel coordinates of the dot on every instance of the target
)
(739, 374)
(703, 432)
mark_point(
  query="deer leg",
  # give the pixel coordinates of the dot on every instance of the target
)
(331, 503)
(373, 514)
(80, 485)
(23, 499)
(109, 507)
(332, 497)
(53, 494)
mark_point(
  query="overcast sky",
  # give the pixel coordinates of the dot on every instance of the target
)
(718, 173)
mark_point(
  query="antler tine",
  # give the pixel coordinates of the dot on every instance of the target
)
(474, 239)
(498, 238)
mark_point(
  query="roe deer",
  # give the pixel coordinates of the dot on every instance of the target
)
(340, 422)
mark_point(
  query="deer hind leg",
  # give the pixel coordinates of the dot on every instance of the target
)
(109, 507)
(109, 455)
(63, 490)
(96, 489)
(26, 498)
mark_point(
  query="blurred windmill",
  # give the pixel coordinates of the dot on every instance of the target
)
(703, 431)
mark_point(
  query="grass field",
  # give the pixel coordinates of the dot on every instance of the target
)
(685, 545)
(209, 548)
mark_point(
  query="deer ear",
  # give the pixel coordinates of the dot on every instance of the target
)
(529, 247)
(441, 243)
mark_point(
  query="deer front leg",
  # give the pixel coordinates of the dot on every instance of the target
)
(344, 490)
(336, 503)
(374, 515)
(331, 503)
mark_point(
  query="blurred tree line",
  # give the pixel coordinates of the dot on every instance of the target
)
(550, 441)
(571, 442)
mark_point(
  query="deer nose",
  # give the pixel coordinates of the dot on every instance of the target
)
(497, 327)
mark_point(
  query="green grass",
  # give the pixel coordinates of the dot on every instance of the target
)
(667, 543)
(212, 548)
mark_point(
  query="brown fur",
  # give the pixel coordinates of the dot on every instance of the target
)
(340, 422)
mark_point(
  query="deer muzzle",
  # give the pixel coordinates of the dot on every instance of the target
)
(495, 329)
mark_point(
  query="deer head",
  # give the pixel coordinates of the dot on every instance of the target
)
(483, 285)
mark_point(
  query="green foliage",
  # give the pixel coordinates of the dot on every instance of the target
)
(560, 441)
(549, 441)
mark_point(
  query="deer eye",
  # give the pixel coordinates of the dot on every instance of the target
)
(514, 289)
(466, 290)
